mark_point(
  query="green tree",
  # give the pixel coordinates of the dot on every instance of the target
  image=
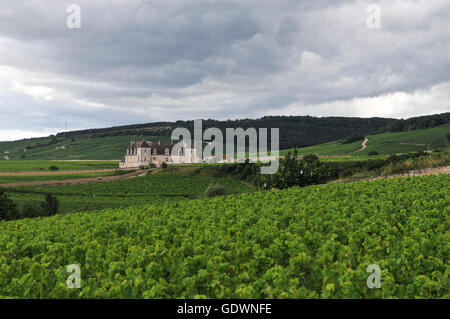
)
(8, 209)
(51, 205)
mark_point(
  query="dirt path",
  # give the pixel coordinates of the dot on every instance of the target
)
(363, 145)
(419, 172)
(79, 180)
(59, 172)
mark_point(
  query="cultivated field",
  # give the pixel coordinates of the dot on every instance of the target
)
(313, 242)
(44, 166)
(384, 143)
(153, 188)
(81, 147)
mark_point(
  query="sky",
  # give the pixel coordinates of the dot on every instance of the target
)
(140, 61)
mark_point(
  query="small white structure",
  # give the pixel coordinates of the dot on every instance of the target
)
(145, 152)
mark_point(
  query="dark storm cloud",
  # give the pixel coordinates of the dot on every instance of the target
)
(138, 61)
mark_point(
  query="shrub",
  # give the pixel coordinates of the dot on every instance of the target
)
(215, 190)
(30, 210)
(54, 168)
(164, 165)
(8, 209)
(50, 206)
(353, 138)
(310, 158)
(371, 153)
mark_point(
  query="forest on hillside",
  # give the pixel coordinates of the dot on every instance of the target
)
(295, 131)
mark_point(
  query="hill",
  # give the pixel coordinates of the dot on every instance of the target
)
(295, 131)
(385, 143)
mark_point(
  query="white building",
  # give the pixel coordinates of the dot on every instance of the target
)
(145, 152)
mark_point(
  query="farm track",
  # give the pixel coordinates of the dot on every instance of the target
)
(419, 172)
(138, 173)
(25, 173)
(363, 145)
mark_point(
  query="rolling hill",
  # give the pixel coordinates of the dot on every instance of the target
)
(385, 143)
(312, 134)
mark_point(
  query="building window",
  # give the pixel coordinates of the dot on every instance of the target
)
(154, 158)
(167, 159)
(167, 151)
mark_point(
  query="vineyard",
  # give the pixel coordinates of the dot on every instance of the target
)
(313, 242)
(154, 188)
(41, 178)
(28, 166)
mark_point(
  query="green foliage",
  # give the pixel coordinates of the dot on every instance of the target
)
(27, 166)
(295, 172)
(51, 205)
(53, 168)
(310, 158)
(153, 188)
(385, 143)
(8, 209)
(31, 210)
(214, 190)
(421, 122)
(313, 242)
(164, 165)
(353, 138)
(23, 178)
(372, 153)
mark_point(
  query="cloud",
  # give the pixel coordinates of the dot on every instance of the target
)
(140, 61)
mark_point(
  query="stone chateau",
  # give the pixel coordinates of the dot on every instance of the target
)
(142, 153)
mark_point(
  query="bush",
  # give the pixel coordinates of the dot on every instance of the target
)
(353, 138)
(371, 153)
(8, 209)
(215, 190)
(294, 172)
(164, 165)
(310, 158)
(50, 206)
(30, 210)
(54, 168)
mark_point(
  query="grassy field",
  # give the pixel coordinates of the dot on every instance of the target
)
(384, 143)
(79, 148)
(153, 188)
(44, 166)
(313, 242)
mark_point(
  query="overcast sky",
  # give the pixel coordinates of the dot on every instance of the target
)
(141, 61)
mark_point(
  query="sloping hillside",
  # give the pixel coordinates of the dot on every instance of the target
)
(110, 143)
(80, 147)
(385, 143)
(295, 131)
